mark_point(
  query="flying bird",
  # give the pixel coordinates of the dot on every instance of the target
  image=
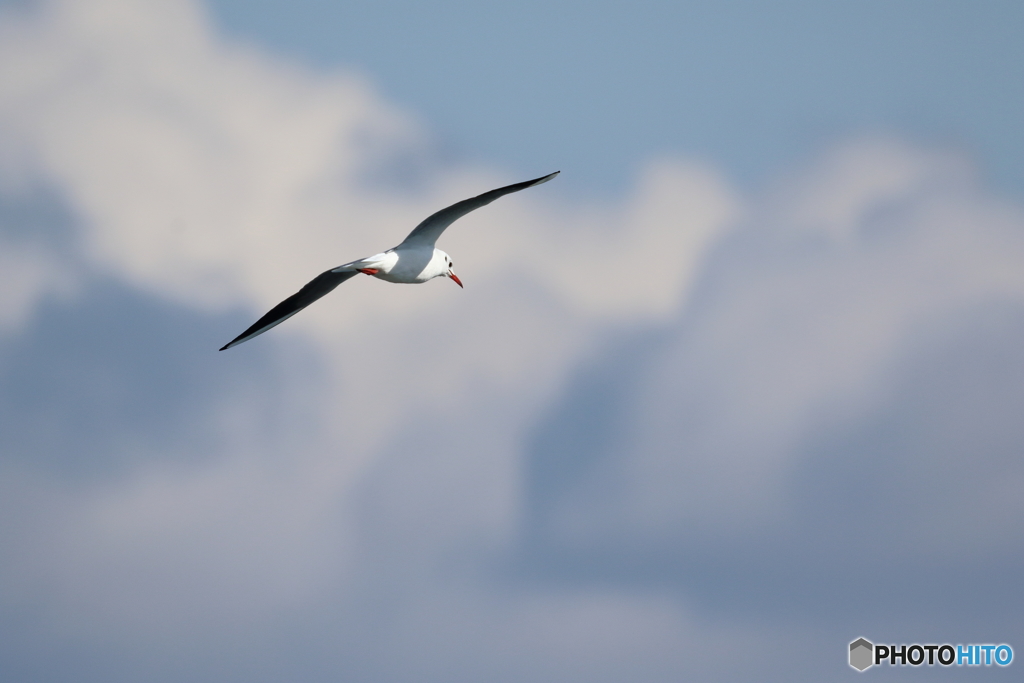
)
(413, 261)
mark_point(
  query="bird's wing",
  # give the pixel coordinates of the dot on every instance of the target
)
(427, 232)
(319, 286)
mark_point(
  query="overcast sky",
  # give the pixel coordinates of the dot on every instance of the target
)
(743, 384)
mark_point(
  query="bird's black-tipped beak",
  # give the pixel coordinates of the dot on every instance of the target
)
(456, 278)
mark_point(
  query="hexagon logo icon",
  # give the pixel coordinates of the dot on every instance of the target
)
(861, 651)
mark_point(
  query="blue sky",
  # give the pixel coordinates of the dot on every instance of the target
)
(604, 86)
(744, 380)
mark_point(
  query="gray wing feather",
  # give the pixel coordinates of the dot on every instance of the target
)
(427, 232)
(316, 288)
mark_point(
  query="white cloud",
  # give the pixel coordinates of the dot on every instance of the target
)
(364, 469)
(852, 284)
(209, 175)
(213, 175)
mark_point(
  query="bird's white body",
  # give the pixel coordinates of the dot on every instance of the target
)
(413, 261)
(404, 265)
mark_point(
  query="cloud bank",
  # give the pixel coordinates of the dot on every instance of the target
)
(652, 439)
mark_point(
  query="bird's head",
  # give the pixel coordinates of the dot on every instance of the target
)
(448, 268)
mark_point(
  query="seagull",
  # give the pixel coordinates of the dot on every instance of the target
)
(414, 261)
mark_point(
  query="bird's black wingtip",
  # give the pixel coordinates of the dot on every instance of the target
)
(543, 179)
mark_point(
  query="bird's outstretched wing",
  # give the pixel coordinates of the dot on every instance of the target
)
(427, 232)
(319, 286)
